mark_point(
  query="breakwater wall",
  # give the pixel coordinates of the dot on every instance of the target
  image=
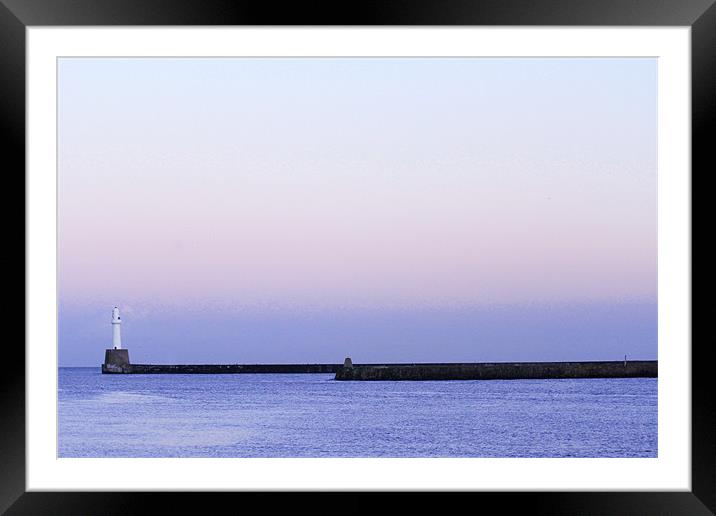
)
(501, 371)
(220, 368)
(116, 361)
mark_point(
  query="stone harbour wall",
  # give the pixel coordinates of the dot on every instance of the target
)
(501, 371)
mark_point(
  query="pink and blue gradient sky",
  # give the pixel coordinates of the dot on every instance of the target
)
(269, 210)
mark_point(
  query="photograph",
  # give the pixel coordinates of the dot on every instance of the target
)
(357, 257)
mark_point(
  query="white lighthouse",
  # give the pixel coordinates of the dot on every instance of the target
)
(116, 324)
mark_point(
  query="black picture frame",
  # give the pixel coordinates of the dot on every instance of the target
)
(17, 15)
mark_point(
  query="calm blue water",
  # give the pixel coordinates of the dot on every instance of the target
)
(315, 416)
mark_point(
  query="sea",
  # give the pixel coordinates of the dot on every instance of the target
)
(312, 415)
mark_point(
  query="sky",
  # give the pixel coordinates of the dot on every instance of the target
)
(249, 210)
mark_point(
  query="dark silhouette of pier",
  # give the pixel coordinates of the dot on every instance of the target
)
(116, 361)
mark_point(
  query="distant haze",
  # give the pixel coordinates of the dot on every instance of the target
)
(302, 210)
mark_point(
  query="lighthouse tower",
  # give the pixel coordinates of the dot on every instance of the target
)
(116, 325)
(116, 359)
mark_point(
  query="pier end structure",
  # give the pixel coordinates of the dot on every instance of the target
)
(115, 360)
